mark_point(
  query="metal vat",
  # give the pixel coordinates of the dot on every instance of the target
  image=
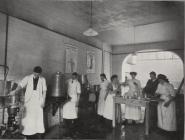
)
(6, 85)
(12, 100)
(58, 85)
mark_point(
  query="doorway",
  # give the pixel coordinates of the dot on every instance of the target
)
(162, 62)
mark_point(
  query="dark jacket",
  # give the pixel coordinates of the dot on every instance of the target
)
(151, 87)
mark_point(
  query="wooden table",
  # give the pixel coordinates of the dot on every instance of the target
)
(132, 102)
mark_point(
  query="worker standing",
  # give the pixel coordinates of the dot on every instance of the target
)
(114, 89)
(103, 91)
(132, 112)
(70, 109)
(33, 121)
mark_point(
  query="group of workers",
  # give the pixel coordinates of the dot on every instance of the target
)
(35, 94)
(157, 87)
(34, 102)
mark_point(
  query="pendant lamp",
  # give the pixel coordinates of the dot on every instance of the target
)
(133, 57)
(90, 31)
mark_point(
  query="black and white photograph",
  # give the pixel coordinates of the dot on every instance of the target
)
(92, 69)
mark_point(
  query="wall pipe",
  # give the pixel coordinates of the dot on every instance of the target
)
(6, 47)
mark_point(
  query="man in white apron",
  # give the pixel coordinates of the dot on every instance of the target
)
(70, 109)
(35, 84)
(103, 91)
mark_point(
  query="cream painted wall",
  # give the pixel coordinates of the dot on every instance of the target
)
(107, 64)
(117, 61)
(29, 45)
(107, 60)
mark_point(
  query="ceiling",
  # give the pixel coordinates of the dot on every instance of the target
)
(71, 18)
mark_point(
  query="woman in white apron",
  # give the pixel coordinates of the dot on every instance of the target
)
(103, 91)
(113, 90)
(166, 108)
(33, 121)
(132, 112)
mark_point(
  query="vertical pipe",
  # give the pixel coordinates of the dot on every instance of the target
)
(6, 47)
(5, 64)
(102, 68)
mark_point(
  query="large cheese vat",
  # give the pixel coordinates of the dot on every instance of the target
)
(57, 87)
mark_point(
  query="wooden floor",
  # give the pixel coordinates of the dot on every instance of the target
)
(132, 132)
(89, 127)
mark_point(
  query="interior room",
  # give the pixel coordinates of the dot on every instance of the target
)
(92, 69)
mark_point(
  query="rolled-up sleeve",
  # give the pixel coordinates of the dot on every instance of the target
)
(23, 82)
(44, 85)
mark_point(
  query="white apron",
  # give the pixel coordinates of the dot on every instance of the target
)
(33, 121)
(132, 112)
(108, 110)
(101, 101)
(70, 111)
(166, 115)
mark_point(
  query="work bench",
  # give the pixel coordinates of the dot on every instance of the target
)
(117, 100)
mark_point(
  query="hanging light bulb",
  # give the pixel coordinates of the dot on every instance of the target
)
(90, 31)
(132, 60)
(133, 57)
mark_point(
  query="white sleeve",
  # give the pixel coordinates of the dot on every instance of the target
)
(158, 89)
(78, 88)
(23, 83)
(139, 85)
(44, 85)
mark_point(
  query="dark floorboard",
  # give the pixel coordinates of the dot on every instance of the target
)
(89, 127)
